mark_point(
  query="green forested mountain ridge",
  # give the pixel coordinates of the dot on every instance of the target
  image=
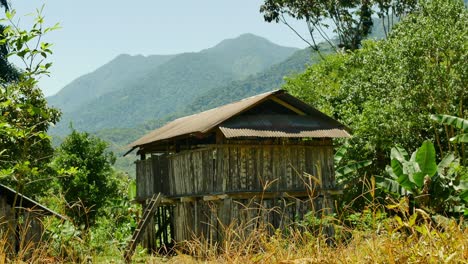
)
(153, 93)
(258, 83)
(112, 76)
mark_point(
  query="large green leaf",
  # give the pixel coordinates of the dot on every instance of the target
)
(457, 122)
(406, 183)
(352, 167)
(445, 163)
(390, 172)
(463, 138)
(462, 186)
(464, 196)
(340, 154)
(411, 167)
(390, 185)
(417, 178)
(397, 167)
(399, 153)
(426, 159)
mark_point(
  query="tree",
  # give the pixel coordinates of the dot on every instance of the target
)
(386, 90)
(89, 184)
(352, 19)
(24, 114)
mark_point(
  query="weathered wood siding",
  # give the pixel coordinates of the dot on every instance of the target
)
(236, 168)
(152, 176)
(211, 219)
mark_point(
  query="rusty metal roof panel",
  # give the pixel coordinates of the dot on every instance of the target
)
(201, 122)
(320, 133)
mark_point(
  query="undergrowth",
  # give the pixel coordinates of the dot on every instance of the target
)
(371, 236)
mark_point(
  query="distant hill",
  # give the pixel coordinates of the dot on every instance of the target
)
(113, 76)
(131, 90)
(272, 78)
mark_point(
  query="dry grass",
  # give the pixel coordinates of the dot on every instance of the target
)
(394, 243)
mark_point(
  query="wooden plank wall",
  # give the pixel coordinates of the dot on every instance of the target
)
(242, 168)
(144, 179)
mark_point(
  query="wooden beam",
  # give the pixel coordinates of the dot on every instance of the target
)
(290, 107)
(187, 199)
(334, 192)
(215, 197)
(166, 200)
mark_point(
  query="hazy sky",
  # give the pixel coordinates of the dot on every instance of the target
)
(95, 32)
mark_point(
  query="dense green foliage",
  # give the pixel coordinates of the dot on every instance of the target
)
(8, 72)
(386, 91)
(88, 184)
(438, 188)
(25, 148)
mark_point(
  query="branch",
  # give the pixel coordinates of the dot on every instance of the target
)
(283, 20)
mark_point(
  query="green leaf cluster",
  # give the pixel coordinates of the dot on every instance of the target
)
(439, 188)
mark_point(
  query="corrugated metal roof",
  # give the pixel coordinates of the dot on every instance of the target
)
(317, 123)
(280, 122)
(320, 133)
(281, 126)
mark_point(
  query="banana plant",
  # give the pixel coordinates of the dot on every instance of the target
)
(457, 122)
(342, 171)
(441, 187)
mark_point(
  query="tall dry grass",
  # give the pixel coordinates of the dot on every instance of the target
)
(395, 240)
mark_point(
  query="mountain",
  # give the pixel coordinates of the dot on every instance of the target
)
(270, 79)
(125, 92)
(112, 76)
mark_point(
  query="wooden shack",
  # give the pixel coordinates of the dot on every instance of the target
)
(269, 151)
(20, 220)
